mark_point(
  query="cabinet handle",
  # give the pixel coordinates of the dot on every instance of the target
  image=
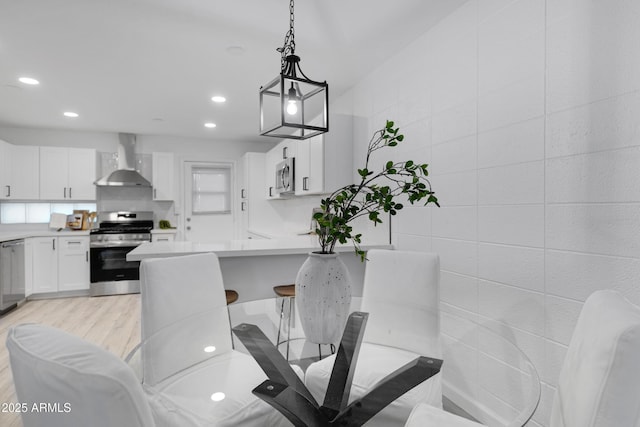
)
(65, 192)
(155, 193)
(86, 256)
(70, 192)
(8, 190)
(74, 243)
(284, 152)
(243, 206)
(270, 191)
(243, 194)
(305, 183)
(53, 241)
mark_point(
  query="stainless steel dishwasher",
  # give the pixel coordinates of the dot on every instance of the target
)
(12, 270)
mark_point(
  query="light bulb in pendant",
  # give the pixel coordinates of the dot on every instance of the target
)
(292, 107)
(292, 103)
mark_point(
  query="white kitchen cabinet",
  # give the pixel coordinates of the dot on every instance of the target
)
(45, 264)
(67, 173)
(19, 177)
(73, 263)
(324, 162)
(163, 176)
(5, 163)
(60, 263)
(242, 197)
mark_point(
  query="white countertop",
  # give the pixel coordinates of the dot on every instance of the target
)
(23, 234)
(238, 248)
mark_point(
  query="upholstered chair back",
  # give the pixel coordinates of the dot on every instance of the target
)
(73, 382)
(599, 384)
(184, 314)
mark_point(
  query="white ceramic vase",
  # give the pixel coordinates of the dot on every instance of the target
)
(323, 297)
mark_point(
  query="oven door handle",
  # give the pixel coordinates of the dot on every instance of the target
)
(116, 244)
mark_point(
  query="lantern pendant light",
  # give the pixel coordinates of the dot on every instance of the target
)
(292, 105)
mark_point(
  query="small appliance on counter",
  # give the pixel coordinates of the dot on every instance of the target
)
(118, 234)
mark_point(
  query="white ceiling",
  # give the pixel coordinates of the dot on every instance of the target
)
(151, 66)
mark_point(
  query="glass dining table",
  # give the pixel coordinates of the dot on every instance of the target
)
(485, 377)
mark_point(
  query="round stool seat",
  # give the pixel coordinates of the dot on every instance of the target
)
(232, 296)
(285, 290)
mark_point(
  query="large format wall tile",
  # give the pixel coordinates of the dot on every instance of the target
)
(512, 265)
(517, 143)
(521, 225)
(607, 229)
(600, 126)
(518, 184)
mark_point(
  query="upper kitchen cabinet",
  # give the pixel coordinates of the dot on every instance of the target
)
(67, 173)
(19, 172)
(163, 176)
(324, 163)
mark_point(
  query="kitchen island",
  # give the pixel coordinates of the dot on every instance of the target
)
(252, 267)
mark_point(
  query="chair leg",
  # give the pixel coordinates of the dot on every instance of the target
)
(280, 325)
(233, 344)
(289, 325)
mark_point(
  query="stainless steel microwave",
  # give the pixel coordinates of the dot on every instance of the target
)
(285, 176)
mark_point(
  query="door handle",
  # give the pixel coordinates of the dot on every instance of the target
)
(188, 228)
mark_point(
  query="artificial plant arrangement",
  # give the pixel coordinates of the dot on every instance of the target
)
(375, 193)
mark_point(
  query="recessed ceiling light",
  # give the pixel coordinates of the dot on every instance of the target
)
(210, 349)
(235, 50)
(219, 99)
(70, 114)
(210, 125)
(218, 396)
(28, 81)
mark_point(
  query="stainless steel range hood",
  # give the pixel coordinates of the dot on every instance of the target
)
(126, 174)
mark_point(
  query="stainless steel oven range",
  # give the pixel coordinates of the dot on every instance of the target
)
(118, 234)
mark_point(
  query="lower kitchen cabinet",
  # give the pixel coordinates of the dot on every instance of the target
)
(73, 263)
(60, 264)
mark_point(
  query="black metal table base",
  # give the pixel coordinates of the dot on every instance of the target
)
(287, 393)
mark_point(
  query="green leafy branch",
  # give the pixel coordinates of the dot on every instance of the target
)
(375, 193)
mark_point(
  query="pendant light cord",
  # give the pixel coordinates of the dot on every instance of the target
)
(289, 46)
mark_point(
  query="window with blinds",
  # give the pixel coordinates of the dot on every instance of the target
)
(211, 189)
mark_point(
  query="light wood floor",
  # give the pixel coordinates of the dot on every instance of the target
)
(112, 322)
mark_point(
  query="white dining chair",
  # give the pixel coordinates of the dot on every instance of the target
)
(599, 383)
(186, 352)
(401, 295)
(79, 383)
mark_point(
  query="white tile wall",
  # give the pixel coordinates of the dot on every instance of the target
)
(528, 113)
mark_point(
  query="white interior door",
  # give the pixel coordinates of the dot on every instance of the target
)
(209, 215)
